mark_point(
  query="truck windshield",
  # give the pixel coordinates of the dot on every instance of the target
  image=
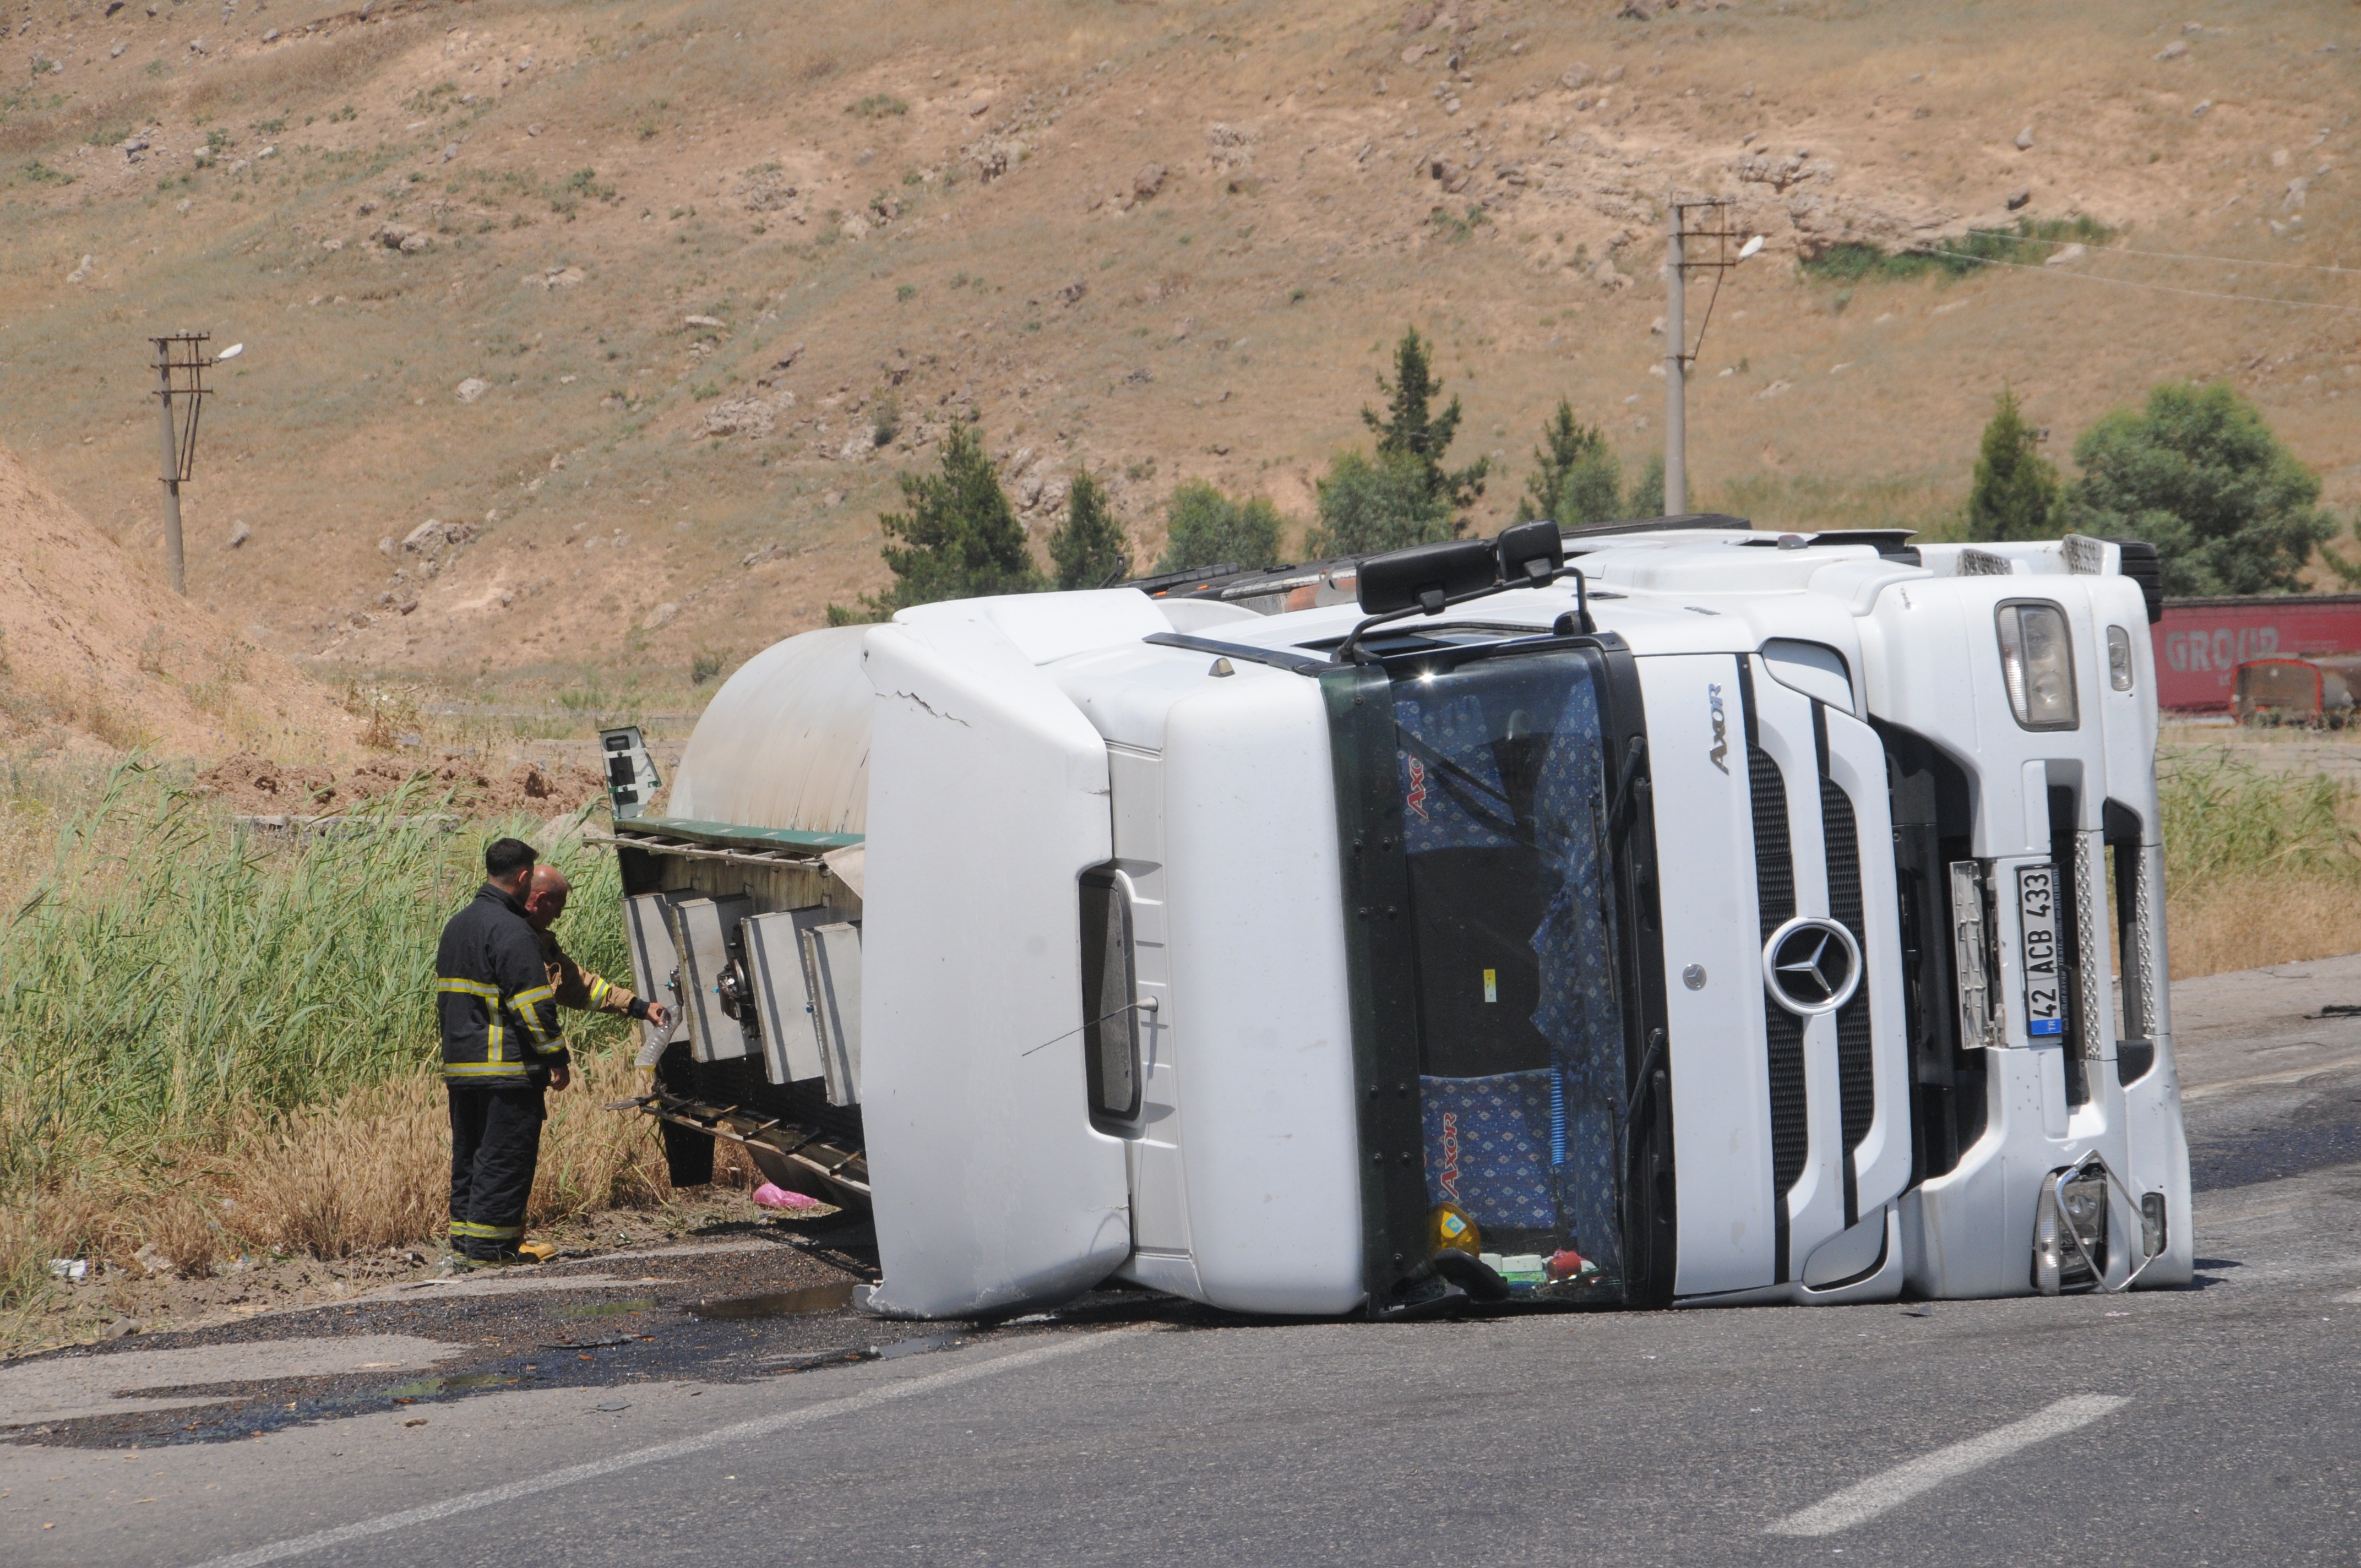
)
(1478, 802)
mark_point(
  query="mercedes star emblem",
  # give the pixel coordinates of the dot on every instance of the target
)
(1812, 966)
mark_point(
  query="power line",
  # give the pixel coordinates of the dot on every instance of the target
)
(2172, 254)
(2128, 283)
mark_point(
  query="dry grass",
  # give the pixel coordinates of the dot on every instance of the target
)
(314, 72)
(339, 1181)
(82, 117)
(2249, 921)
(47, 714)
(366, 1172)
(1930, 502)
(2262, 866)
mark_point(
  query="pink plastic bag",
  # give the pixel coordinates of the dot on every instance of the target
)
(769, 1196)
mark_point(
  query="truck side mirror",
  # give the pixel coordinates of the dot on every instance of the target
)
(1426, 576)
(1532, 552)
(630, 771)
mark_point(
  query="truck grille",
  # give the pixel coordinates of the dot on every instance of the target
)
(1856, 1090)
(1775, 880)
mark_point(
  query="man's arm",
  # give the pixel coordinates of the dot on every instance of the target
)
(588, 991)
(534, 1001)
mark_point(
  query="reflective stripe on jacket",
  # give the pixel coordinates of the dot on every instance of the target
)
(498, 1009)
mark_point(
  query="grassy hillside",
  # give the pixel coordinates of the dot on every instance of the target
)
(624, 289)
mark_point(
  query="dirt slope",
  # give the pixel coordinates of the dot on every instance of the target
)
(615, 294)
(95, 652)
(264, 786)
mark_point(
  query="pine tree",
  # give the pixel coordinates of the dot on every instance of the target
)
(1593, 491)
(1565, 442)
(1411, 431)
(1089, 548)
(2015, 495)
(1647, 496)
(1577, 479)
(1368, 505)
(961, 537)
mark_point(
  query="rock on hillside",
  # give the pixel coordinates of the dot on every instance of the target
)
(96, 652)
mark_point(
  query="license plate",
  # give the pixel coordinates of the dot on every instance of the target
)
(2045, 993)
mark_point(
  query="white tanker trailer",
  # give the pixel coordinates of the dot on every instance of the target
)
(1666, 913)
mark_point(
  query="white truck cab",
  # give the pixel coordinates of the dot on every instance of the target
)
(1668, 913)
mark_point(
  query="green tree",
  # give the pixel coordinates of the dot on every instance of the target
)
(1411, 431)
(961, 539)
(2015, 495)
(1593, 491)
(2199, 472)
(1368, 504)
(1203, 527)
(1577, 477)
(1647, 496)
(1089, 549)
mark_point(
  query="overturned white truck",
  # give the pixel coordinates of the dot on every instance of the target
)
(1668, 913)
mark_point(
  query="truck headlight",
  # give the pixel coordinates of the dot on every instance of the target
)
(2037, 663)
(2070, 1229)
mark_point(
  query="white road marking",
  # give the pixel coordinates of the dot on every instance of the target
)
(1865, 1500)
(574, 1474)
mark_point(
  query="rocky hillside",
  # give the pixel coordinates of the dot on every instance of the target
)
(597, 332)
(96, 654)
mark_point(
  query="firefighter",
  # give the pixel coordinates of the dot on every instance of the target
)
(545, 901)
(501, 1049)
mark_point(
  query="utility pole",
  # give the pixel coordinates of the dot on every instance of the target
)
(1677, 378)
(1677, 352)
(181, 364)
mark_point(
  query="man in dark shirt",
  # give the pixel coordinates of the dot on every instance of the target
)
(500, 1050)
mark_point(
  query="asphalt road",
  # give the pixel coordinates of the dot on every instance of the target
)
(587, 1419)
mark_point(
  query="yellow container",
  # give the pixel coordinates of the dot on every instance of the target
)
(1448, 1229)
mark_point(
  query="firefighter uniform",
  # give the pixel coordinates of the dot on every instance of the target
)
(578, 987)
(498, 1015)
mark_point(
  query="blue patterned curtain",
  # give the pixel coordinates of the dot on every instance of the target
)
(1578, 1014)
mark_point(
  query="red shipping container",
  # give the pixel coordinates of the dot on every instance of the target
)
(2201, 643)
